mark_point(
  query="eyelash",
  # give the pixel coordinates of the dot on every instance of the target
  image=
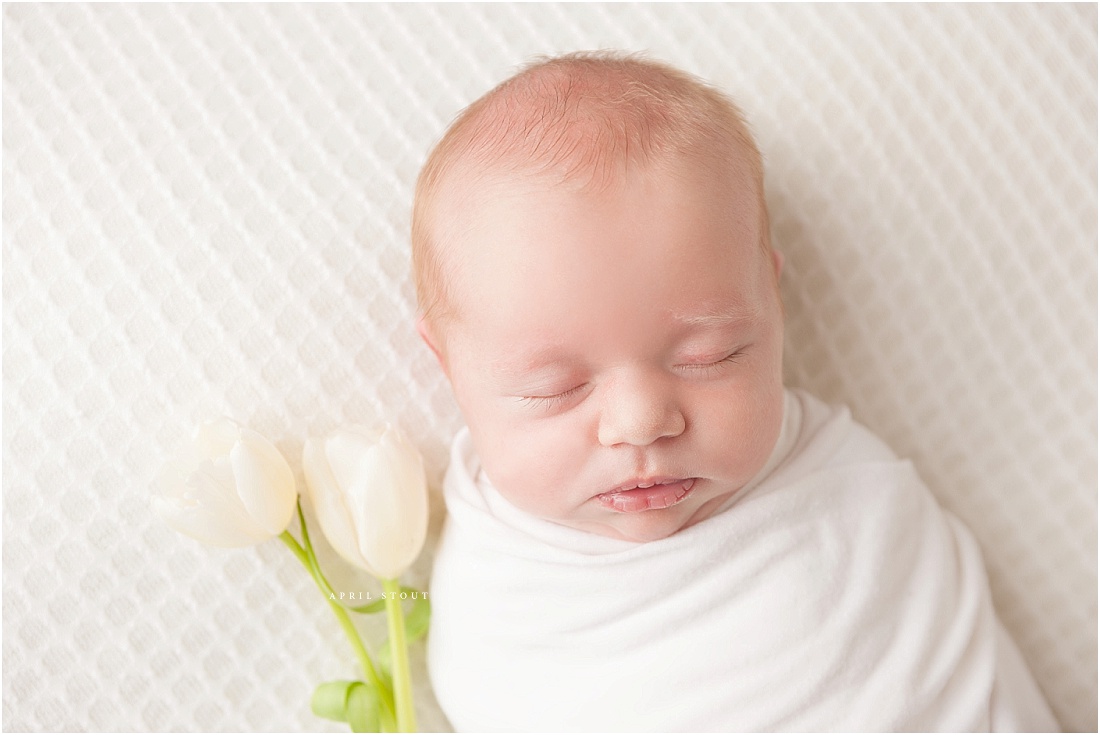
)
(732, 357)
(560, 398)
(548, 401)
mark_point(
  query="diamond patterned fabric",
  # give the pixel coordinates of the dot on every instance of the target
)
(206, 209)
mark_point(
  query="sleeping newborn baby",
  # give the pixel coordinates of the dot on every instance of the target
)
(646, 530)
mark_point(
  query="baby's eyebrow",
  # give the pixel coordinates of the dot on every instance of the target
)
(730, 316)
(524, 364)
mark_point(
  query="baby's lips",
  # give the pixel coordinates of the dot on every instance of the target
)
(656, 497)
(645, 482)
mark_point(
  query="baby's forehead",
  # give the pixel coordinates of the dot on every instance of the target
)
(509, 226)
(475, 196)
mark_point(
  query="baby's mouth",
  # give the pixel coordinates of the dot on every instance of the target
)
(647, 496)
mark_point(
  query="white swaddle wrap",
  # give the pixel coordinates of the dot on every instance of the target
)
(831, 593)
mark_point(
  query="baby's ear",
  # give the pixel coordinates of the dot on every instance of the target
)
(777, 262)
(424, 328)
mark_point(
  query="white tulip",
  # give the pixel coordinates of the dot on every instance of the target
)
(370, 494)
(229, 487)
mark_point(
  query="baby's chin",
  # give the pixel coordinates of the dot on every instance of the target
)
(638, 532)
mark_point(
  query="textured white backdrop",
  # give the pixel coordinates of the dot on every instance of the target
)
(206, 208)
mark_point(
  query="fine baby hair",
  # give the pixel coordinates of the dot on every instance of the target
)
(578, 119)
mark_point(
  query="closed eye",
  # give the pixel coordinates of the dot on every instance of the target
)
(551, 401)
(716, 364)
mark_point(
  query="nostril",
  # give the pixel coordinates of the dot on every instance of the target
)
(638, 430)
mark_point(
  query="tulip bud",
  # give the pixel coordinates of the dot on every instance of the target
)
(370, 494)
(229, 487)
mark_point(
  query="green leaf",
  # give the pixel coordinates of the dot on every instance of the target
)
(375, 607)
(331, 698)
(384, 660)
(416, 621)
(364, 708)
(380, 605)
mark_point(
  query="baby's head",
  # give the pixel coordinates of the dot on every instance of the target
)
(592, 260)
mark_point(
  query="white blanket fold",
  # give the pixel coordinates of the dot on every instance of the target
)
(831, 593)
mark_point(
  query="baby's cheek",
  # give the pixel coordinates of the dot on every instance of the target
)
(533, 464)
(738, 429)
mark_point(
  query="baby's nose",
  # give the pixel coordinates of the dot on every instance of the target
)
(639, 411)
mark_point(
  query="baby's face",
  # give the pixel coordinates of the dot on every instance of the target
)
(605, 342)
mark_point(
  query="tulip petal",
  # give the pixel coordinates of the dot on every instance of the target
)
(264, 481)
(328, 503)
(212, 493)
(171, 479)
(387, 493)
(370, 495)
(413, 489)
(197, 493)
(366, 483)
(201, 525)
(191, 502)
(216, 437)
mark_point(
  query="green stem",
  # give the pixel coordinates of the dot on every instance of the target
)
(313, 566)
(399, 653)
(341, 615)
(309, 561)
